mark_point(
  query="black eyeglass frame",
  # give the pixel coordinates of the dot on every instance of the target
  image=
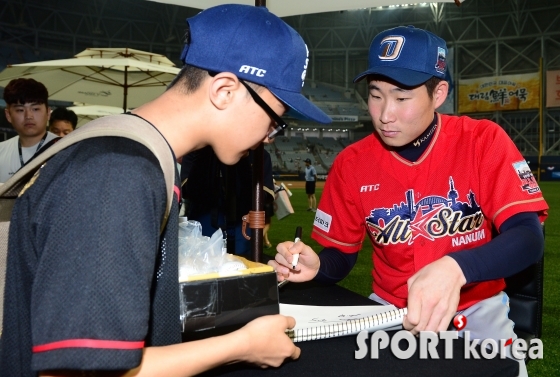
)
(280, 123)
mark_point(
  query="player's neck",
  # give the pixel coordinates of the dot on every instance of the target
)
(413, 150)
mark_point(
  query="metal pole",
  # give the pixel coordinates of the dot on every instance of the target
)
(125, 91)
(258, 202)
(258, 179)
(541, 116)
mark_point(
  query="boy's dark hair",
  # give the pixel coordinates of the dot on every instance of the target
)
(188, 80)
(62, 113)
(21, 91)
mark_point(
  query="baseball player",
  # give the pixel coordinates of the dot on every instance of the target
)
(448, 202)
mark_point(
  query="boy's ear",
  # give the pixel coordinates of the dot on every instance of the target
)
(7, 113)
(223, 88)
(440, 93)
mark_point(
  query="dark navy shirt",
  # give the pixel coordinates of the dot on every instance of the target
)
(90, 280)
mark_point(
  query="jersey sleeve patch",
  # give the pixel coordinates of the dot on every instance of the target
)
(528, 182)
(322, 220)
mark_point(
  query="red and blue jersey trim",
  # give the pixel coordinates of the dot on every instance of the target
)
(89, 343)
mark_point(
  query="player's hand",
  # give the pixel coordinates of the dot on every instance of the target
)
(433, 296)
(306, 268)
(266, 341)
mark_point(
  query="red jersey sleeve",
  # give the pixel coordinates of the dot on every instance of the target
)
(336, 224)
(507, 185)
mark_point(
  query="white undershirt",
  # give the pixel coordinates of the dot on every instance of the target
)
(9, 155)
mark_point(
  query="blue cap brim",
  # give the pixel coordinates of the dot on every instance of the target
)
(301, 105)
(406, 77)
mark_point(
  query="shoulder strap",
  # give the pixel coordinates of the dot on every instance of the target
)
(122, 125)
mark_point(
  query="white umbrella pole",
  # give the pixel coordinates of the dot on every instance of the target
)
(125, 94)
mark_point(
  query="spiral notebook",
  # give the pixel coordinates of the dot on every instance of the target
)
(320, 322)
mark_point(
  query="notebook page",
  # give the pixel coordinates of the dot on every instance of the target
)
(319, 322)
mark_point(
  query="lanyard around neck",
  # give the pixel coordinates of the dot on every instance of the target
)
(36, 150)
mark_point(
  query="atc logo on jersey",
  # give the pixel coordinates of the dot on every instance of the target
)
(432, 217)
(528, 181)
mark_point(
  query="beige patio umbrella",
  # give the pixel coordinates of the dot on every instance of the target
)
(110, 77)
(88, 113)
(284, 8)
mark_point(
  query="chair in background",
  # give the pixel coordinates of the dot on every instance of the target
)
(525, 291)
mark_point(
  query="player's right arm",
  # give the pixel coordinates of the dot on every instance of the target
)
(330, 266)
(306, 268)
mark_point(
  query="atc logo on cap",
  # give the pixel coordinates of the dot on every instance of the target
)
(407, 55)
(255, 45)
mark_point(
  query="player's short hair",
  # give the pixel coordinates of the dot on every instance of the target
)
(62, 113)
(431, 85)
(21, 91)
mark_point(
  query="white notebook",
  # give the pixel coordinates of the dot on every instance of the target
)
(320, 322)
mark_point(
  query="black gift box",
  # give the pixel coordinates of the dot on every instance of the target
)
(214, 305)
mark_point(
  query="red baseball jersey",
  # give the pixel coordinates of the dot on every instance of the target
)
(470, 179)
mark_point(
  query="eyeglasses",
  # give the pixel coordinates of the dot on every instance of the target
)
(280, 124)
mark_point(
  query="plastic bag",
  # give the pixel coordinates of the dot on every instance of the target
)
(199, 254)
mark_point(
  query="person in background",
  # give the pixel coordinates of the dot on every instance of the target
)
(310, 182)
(449, 204)
(219, 195)
(91, 282)
(28, 112)
(62, 121)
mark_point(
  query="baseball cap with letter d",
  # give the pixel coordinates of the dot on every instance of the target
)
(407, 55)
(256, 46)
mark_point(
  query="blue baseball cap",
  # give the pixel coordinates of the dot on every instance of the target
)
(256, 46)
(407, 55)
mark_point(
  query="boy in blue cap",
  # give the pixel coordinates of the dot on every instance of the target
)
(448, 202)
(92, 286)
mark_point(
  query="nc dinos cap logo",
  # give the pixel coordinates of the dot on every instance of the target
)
(432, 217)
(391, 47)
